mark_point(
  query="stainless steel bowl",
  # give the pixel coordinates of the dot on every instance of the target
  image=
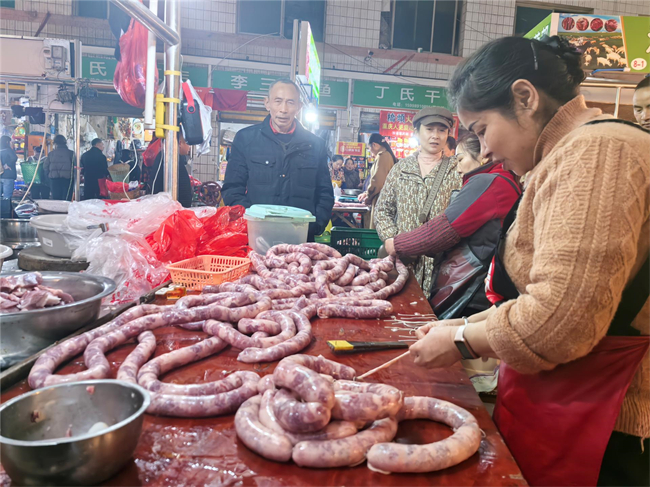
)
(18, 234)
(44, 437)
(351, 192)
(25, 333)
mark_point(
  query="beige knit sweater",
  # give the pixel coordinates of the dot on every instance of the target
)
(581, 233)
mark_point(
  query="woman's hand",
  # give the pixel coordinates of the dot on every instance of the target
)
(389, 245)
(423, 330)
(362, 197)
(437, 349)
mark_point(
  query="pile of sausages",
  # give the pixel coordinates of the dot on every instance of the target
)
(266, 315)
(312, 412)
(338, 286)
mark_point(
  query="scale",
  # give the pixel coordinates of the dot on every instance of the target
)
(348, 199)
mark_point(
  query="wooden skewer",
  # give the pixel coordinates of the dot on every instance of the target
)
(383, 366)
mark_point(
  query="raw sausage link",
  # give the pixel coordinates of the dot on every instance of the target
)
(249, 326)
(128, 371)
(42, 373)
(365, 402)
(228, 287)
(325, 249)
(266, 383)
(260, 439)
(361, 309)
(323, 366)
(392, 457)
(242, 385)
(301, 340)
(296, 416)
(344, 452)
(306, 382)
(149, 373)
(229, 300)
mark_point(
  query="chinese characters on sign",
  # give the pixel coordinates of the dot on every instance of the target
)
(103, 69)
(351, 148)
(390, 95)
(396, 124)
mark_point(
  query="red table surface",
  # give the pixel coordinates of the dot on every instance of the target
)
(202, 452)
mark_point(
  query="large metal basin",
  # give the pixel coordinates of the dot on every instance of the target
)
(46, 437)
(25, 333)
(18, 233)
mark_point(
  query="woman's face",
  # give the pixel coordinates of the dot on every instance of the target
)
(337, 164)
(433, 138)
(349, 165)
(466, 162)
(507, 138)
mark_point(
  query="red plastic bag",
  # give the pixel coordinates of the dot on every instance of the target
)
(177, 238)
(226, 233)
(103, 188)
(149, 156)
(130, 74)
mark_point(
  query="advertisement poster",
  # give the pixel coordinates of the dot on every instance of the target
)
(607, 42)
(600, 39)
(351, 149)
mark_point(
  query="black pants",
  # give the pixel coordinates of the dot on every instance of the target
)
(40, 192)
(61, 188)
(624, 463)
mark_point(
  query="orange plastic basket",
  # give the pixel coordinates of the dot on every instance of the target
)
(208, 270)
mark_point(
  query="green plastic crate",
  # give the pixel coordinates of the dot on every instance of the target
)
(358, 241)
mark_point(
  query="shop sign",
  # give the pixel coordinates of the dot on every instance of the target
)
(351, 148)
(333, 94)
(395, 123)
(540, 30)
(309, 67)
(391, 95)
(103, 69)
(606, 41)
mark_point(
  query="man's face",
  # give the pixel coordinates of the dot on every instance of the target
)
(183, 148)
(641, 104)
(100, 146)
(283, 103)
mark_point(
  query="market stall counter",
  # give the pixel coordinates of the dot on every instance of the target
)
(207, 451)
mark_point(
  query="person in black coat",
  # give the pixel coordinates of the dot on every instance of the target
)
(8, 160)
(278, 162)
(156, 175)
(94, 167)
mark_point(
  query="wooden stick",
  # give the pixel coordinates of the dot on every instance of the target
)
(383, 366)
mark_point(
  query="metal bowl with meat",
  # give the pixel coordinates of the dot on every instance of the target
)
(36, 309)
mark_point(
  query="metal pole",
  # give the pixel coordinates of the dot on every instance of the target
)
(294, 48)
(142, 14)
(172, 90)
(618, 101)
(77, 120)
(77, 142)
(150, 88)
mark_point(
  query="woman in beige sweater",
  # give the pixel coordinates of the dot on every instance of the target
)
(570, 279)
(384, 162)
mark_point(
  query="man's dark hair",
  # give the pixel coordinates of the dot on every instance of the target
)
(337, 157)
(5, 142)
(451, 143)
(284, 81)
(96, 141)
(644, 83)
(60, 141)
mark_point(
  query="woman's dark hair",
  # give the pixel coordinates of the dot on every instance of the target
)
(451, 143)
(379, 139)
(60, 141)
(471, 144)
(337, 157)
(484, 80)
(5, 142)
(349, 159)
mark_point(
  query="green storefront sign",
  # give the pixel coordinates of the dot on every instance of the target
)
(103, 69)
(391, 95)
(333, 94)
(541, 29)
(637, 43)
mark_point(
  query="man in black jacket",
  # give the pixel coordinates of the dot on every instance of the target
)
(94, 167)
(278, 162)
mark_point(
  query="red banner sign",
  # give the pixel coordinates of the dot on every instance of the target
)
(351, 148)
(396, 123)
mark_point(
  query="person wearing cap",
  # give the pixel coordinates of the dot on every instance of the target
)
(420, 186)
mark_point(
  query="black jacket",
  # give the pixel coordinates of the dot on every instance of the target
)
(263, 170)
(185, 192)
(8, 158)
(94, 165)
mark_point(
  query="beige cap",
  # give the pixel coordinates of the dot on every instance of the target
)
(430, 115)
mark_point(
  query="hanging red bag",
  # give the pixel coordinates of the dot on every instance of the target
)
(130, 73)
(152, 151)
